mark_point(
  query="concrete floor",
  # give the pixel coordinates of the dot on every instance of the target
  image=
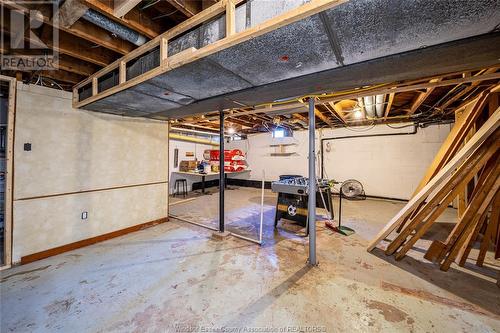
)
(174, 278)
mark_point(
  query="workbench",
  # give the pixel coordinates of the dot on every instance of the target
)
(209, 174)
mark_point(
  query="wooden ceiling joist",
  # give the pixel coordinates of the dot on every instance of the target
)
(84, 30)
(422, 97)
(187, 7)
(466, 90)
(337, 110)
(75, 48)
(70, 12)
(122, 7)
(389, 105)
(134, 19)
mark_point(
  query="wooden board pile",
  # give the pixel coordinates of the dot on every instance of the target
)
(465, 167)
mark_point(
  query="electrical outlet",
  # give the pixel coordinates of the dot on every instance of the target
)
(84, 215)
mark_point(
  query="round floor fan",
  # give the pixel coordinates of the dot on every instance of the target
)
(350, 190)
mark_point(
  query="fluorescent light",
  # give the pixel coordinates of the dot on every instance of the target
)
(279, 133)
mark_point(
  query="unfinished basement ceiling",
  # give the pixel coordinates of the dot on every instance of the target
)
(345, 47)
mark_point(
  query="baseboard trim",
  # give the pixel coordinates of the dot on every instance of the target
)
(89, 241)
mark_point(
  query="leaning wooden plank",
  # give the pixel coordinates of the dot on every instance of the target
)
(436, 182)
(454, 139)
(457, 229)
(452, 143)
(465, 172)
(471, 239)
(440, 201)
(490, 230)
(465, 251)
(433, 217)
(486, 196)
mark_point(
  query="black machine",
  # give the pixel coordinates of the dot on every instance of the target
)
(292, 198)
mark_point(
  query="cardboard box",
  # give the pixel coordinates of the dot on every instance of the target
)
(186, 166)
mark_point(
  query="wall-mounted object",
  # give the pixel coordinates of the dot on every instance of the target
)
(189, 154)
(27, 147)
(176, 157)
(281, 149)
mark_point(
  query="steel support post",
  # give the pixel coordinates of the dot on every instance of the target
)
(311, 206)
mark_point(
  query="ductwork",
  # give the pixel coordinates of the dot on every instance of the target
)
(118, 29)
(379, 106)
(102, 21)
(192, 139)
(369, 102)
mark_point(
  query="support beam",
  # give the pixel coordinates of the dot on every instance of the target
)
(422, 97)
(311, 205)
(84, 30)
(222, 184)
(68, 45)
(322, 117)
(187, 7)
(75, 48)
(389, 105)
(70, 12)
(230, 18)
(466, 90)
(122, 7)
(134, 19)
(338, 112)
(66, 63)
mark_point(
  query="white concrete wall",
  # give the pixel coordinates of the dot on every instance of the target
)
(75, 151)
(185, 147)
(390, 166)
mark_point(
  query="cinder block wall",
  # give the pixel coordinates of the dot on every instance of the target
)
(113, 168)
(388, 166)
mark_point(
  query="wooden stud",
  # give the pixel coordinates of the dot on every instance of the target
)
(338, 112)
(294, 15)
(453, 141)
(164, 52)
(441, 199)
(422, 97)
(122, 72)
(491, 230)
(389, 105)
(436, 183)
(477, 208)
(95, 86)
(230, 18)
(122, 7)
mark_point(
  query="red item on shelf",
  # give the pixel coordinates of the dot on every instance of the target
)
(234, 160)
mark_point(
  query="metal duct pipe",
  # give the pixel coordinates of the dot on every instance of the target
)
(187, 130)
(369, 106)
(120, 30)
(191, 139)
(379, 106)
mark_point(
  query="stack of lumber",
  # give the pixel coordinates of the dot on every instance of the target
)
(469, 156)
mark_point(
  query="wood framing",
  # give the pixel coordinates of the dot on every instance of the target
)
(306, 10)
(438, 181)
(389, 105)
(122, 7)
(9, 175)
(453, 140)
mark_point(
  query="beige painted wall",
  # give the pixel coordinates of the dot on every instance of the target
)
(74, 151)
